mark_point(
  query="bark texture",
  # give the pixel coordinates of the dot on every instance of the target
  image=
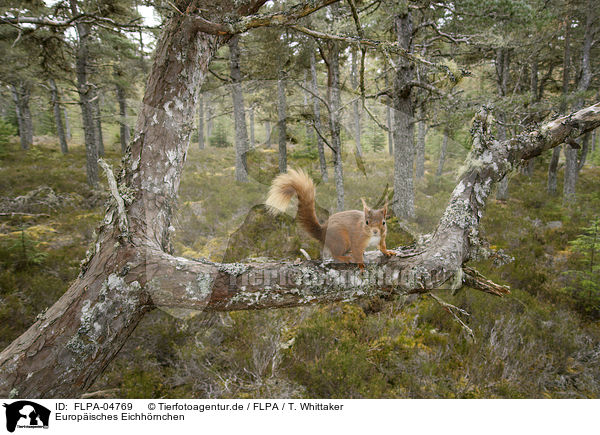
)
(553, 171)
(21, 93)
(502, 78)
(420, 151)
(208, 108)
(123, 126)
(201, 144)
(403, 132)
(85, 98)
(390, 123)
(334, 120)
(575, 155)
(356, 103)
(98, 122)
(443, 151)
(553, 166)
(252, 140)
(239, 111)
(268, 133)
(67, 124)
(60, 131)
(282, 122)
(317, 116)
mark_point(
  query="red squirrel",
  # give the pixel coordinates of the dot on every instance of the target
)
(346, 234)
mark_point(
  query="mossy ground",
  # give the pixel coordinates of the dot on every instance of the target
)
(532, 343)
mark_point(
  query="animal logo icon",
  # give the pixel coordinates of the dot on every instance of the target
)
(25, 413)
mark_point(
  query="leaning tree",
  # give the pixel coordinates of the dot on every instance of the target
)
(129, 269)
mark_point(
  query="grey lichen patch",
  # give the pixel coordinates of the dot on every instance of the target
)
(127, 193)
(201, 289)
(233, 268)
(114, 299)
(14, 393)
(249, 299)
(459, 213)
(482, 191)
(81, 347)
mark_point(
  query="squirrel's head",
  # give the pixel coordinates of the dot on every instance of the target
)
(375, 219)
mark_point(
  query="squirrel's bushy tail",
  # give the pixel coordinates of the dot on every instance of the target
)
(281, 192)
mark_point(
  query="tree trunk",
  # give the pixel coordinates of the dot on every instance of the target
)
(533, 84)
(70, 345)
(209, 113)
(570, 178)
(390, 122)
(529, 167)
(281, 122)
(553, 167)
(317, 115)
(553, 172)
(85, 96)
(535, 97)
(585, 147)
(404, 150)
(420, 152)
(252, 142)
(356, 104)
(268, 133)
(201, 122)
(574, 160)
(124, 127)
(443, 151)
(239, 111)
(502, 193)
(566, 62)
(67, 123)
(60, 131)
(98, 123)
(334, 122)
(306, 107)
(502, 77)
(20, 94)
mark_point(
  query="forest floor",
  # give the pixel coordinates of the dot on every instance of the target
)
(539, 341)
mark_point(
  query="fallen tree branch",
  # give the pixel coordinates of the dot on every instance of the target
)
(24, 214)
(476, 280)
(452, 309)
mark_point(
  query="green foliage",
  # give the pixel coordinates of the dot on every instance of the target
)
(7, 130)
(23, 252)
(583, 284)
(376, 138)
(219, 138)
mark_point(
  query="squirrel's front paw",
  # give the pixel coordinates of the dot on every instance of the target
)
(388, 253)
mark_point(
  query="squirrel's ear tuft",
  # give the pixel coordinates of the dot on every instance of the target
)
(385, 209)
(366, 208)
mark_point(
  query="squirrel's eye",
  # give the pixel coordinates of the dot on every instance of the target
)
(383, 222)
(367, 222)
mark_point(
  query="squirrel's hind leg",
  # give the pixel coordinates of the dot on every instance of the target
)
(343, 258)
